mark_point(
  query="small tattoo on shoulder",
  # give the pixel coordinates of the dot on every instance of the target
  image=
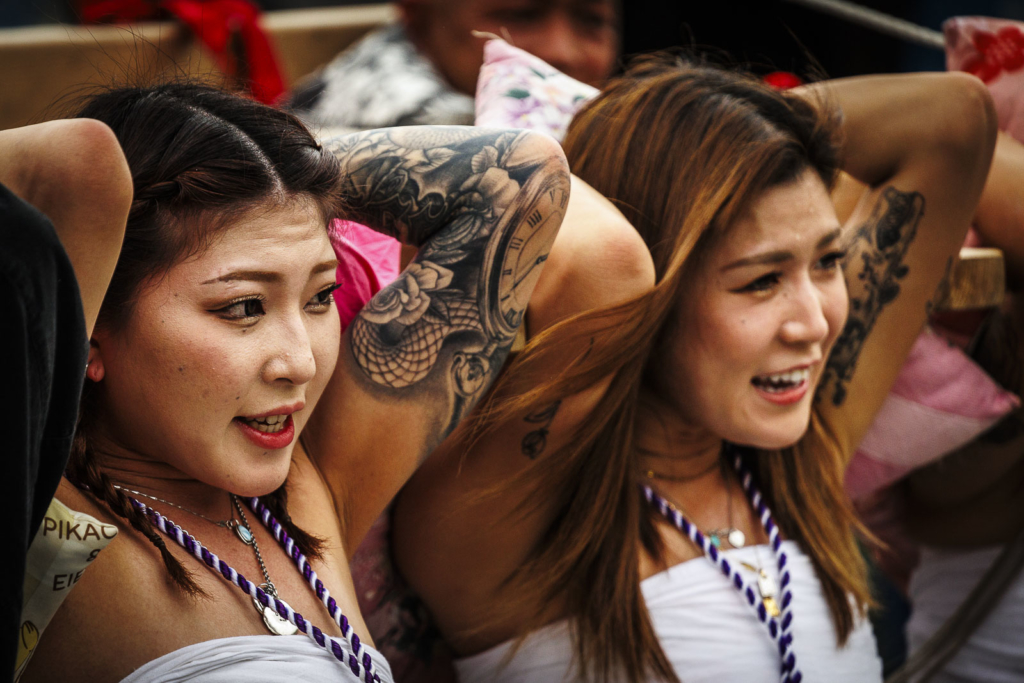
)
(536, 441)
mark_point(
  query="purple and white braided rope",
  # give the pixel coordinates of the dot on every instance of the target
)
(774, 540)
(346, 651)
(780, 630)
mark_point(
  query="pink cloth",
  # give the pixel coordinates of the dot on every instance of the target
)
(941, 400)
(992, 50)
(367, 262)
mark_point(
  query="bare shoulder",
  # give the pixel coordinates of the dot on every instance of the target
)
(598, 260)
(108, 605)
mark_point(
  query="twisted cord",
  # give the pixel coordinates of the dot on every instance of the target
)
(780, 630)
(774, 539)
(344, 651)
(293, 551)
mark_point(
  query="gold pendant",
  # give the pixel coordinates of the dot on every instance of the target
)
(767, 589)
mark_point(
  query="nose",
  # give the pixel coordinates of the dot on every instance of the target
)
(291, 358)
(805, 321)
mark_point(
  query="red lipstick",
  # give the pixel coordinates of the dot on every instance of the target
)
(270, 441)
(786, 397)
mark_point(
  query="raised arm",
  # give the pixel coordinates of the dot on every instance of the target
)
(483, 206)
(923, 144)
(74, 172)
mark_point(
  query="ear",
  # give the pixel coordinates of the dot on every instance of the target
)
(94, 367)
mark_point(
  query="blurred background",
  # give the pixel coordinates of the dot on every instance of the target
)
(48, 53)
(766, 32)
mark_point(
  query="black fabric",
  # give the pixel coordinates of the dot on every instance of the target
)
(44, 349)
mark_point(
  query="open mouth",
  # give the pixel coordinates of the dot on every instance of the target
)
(783, 381)
(271, 424)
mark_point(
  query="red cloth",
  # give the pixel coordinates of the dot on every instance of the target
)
(214, 22)
(783, 80)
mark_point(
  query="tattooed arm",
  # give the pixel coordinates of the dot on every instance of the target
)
(999, 218)
(483, 206)
(923, 145)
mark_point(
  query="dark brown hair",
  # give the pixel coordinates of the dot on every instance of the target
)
(198, 157)
(681, 149)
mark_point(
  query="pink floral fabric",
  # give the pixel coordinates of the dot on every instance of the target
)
(992, 50)
(517, 90)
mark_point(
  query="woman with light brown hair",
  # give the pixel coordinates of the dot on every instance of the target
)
(698, 373)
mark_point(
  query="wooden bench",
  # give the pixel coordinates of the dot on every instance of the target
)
(977, 281)
(46, 66)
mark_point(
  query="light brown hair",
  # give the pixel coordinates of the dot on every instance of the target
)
(682, 149)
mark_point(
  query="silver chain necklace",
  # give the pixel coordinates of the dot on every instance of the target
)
(274, 623)
(731, 535)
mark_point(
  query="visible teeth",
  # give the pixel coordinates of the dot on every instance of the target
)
(267, 425)
(270, 420)
(783, 380)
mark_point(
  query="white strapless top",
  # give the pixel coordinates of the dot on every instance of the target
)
(253, 659)
(708, 632)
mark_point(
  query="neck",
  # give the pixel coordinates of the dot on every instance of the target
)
(131, 469)
(672, 447)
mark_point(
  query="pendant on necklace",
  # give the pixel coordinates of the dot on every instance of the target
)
(276, 624)
(737, 539)
(242, 531)
(767, 588)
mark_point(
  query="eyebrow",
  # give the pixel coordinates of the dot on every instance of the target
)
(268, 276)
(773, 257)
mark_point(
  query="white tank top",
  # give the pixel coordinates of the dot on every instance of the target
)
(708, 632)
(253, 659)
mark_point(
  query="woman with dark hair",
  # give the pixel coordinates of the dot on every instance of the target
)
(655, 491)
(216, 340)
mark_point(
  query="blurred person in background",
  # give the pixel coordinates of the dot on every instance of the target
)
(423, 69)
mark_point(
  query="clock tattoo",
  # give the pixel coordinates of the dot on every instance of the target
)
(483, 206)
(514, 257)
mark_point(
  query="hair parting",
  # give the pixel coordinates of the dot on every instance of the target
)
(200, 158)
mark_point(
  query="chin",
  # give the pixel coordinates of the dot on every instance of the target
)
(778, 437)
(262, 479)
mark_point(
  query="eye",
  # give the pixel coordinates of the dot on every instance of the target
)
(322, 300)
(765, 283)
(245, 309)
(832, 260)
